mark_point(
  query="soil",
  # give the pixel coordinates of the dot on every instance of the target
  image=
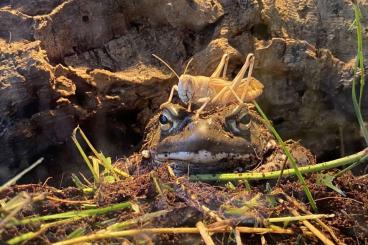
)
(184, 202)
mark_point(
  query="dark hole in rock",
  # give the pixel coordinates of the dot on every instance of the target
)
(261, 31)
(85, 18)
(301, 93)
(29, 109)
(115, 134)
(278, 120)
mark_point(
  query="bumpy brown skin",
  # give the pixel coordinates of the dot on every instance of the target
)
(219, 131)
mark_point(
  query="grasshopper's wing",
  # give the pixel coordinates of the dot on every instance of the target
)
(246, 91)
(220, 91)
(217, 84)
(249, 91)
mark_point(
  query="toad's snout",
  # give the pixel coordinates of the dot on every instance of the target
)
(204, 140)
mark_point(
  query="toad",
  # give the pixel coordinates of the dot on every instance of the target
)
(226, 138)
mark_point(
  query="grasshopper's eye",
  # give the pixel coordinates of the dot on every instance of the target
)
(165, 122)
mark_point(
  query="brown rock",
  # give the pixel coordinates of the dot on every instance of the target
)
(64, 86)
(15, 26)
(69, 62)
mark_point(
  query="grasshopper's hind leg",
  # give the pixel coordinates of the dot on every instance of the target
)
(173, 89)
(223, 63)
(250, 71)
(223, 90)
(237, 80)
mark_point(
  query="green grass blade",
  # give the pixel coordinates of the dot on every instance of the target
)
(142, 219)
(20, 175)
(87, 141)
(359, 33)
(289, 156)
(77, 233)
(275, 174)
(83, 154)
(24, 237)
(77, 182)
(327, 180)
(75, 213)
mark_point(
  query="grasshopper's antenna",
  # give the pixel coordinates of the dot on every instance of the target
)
(171, 69)
(187, 66)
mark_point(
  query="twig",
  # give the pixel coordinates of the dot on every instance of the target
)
(141, 219)
(338, 197)
(363, 176)
(263, 230)
(156, 185)
(313, 229)
(188, 230)
(69, 201)
(299, 218)
(238, 237)
(203, 231)
(305, 210)
(263, 240)
(201, 206)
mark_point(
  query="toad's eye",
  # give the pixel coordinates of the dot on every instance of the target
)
(163, 119)
(165, 122)
(244, 122)
(239, 122)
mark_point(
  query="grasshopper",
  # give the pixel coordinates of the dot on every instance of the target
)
(216, 89)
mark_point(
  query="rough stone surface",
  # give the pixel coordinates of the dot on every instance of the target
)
(70, 62)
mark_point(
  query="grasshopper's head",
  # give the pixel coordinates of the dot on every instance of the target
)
(186, 88)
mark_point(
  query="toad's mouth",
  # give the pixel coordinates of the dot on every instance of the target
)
(201, 156)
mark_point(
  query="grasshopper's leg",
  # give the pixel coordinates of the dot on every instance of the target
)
(189, 107)
(205, 101)
(173, 89)
(223, 90)
(241, 73)
(225, 68)
(223, 62)
(250, 71)
(236, 110)
(236, 96)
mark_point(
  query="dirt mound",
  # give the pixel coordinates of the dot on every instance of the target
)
(170, 207)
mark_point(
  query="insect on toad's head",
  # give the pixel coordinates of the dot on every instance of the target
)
(186, 88)
(220, 140)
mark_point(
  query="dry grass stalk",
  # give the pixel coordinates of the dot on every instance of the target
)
(69, 201)
(205, 235)
(238, 237)
(313, 229)
(320, 222)
(184, 230)
(205, 209)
